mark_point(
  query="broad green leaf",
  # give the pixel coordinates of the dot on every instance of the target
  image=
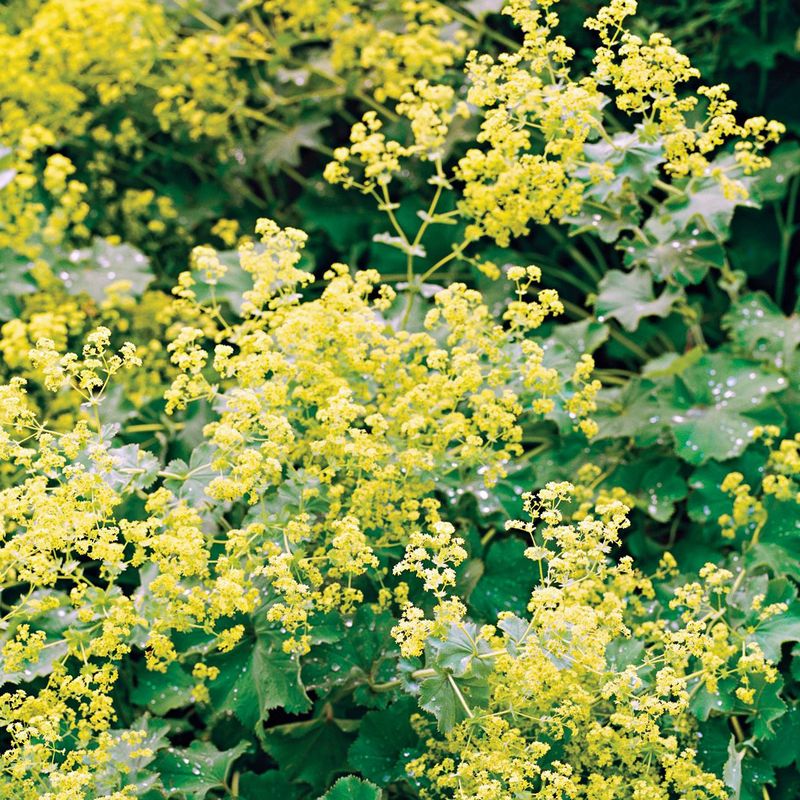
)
(607, 220)
(161, 692)
(778, 559)
(189, 481)
(137, 771)
(718, 401)
(635, 410)
(53, 652)
(352, 788)
(480, 8)
(706, 500)
(229, 288)
(568, 342)
(771, 183)
(131, 468)
(713, 749)
(281, 148)
(628, 296)
(268, 785)
(769, 706)
(7, 174)
(93, 269)
(656, 482)
(507, 580)
(459, 652)
(704, 201)
(784, 747)
(703, 702)
(384, 742)
(775, 631)
(758, 328)
(451, 699)
(516, 630)
(634, 160)
(686, 256)
(669, 364)
(621, 653)
(255, 678)
(310, 752)
(197, 769)
(354, 653)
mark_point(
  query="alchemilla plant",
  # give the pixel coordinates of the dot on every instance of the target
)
(398, 401)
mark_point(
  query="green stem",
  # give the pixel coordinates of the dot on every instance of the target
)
(618, 337)
(573, 251)
(787, 229)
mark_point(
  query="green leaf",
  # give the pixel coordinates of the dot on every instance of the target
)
(268, 785)
(131, 468)
(229, 288)
(196, 769)
(448, 698)
(161, 692)
(93, 269)
(354, 653)
(459, 652)
(686, 256)
(255, 678)
(617, 213)
(15, 279)
(310, 752)
(634, 160)
(713, 749)
(784, 747)
(281, 148)
(704, 702)
(621, 653)
(758, 328)
(705, 202)
(768, 704)
(707, 501)
(480, 8)
(656, 482)
(135, 768)
(771, 183)
(628, 296)
(633, 410)
(189, 481)
(776, 631)
(9, 173)
(717, 403)
(507, 581)
(385, 738)
(732, 771)
(669, 364)
(352, 788)
(568, 342)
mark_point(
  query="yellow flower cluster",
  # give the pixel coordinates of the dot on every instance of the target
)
(780, 482)
(70, 55)
(646, 77)
(66, 540)
(537, 120)
(332, 425)
(392, 44)
(74, 69)
(64, 320)
(323, 392)
(588, 697)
